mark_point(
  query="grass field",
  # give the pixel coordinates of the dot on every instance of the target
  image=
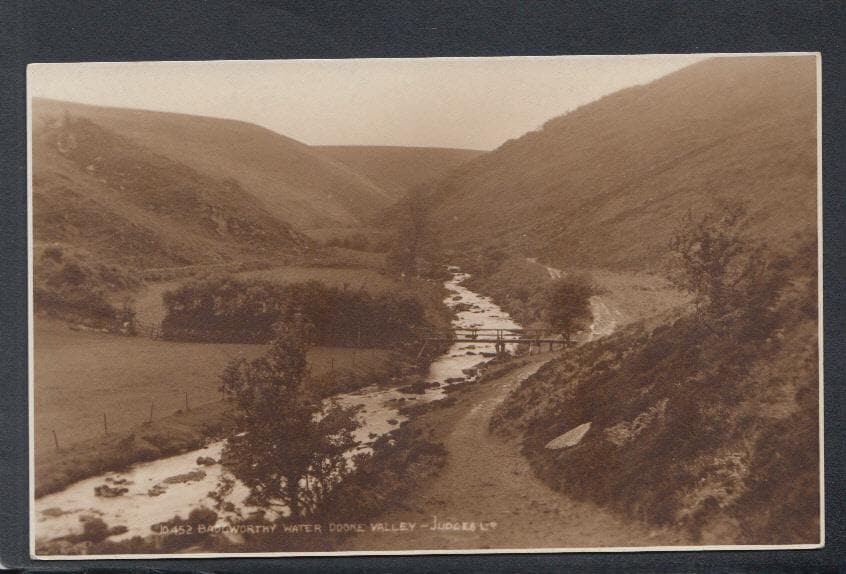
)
(354, 278)
(81, 375)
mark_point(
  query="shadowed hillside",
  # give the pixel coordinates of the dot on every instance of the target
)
(293, 181)
(399, 169)
(605, 184)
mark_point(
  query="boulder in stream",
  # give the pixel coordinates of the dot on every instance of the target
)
(157, 490)
(106, 491)
(118, 481)
(418, 387)
(192, 476)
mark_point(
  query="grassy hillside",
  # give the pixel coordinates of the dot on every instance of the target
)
(100, 191)
(294, 182)
(705, 422)
(399, 169)
(604, 185)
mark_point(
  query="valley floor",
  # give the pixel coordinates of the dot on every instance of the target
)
(487, 480)
(80, 375)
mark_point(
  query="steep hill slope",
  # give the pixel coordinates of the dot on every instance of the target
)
(293, 181)
(606, 184)
(709, 422)
(399, 169)
(101, 192)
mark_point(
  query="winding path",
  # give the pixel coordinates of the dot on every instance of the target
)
(487, 480)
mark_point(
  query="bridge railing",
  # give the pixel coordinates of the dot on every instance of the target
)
(507, 335)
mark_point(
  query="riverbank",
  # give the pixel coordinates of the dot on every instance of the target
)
(181, 432)
(191, 429)
(519, 285)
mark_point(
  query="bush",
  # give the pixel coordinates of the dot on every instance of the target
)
(714, 260)
(567, 304)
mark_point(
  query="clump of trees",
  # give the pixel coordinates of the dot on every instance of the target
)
(69, 287)
(287, 446)
(227, 309)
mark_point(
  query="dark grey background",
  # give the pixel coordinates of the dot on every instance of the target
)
(56, 31)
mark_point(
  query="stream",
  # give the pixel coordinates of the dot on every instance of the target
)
(158, 490)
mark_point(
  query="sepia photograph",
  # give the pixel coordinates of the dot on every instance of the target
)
(425, 305)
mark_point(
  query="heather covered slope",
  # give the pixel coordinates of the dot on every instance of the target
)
(708, 422)
(100, 192)
(399, 169)
(604, 185)
(291, 180)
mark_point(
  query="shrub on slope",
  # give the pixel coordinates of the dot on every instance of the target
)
(70, 287)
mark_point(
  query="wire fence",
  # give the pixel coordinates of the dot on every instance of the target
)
(114, 420)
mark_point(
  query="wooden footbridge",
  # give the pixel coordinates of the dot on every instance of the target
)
(499, 337)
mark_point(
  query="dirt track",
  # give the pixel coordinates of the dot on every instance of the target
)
(487, 481)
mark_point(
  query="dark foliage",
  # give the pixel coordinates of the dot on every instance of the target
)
(69, 287)
(567, 304)
(714, 260)
(401, 460)
(286, 446)
(226, 309)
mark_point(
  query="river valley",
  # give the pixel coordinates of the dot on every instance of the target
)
(150, 493)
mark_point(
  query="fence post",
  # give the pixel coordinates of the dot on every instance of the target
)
(56, 440)
(105, 424)
(151, 411)
(186, 402)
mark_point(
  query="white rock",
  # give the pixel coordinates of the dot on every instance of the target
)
(570, 438)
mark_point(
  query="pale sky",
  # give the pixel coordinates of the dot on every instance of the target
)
(476, 103)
